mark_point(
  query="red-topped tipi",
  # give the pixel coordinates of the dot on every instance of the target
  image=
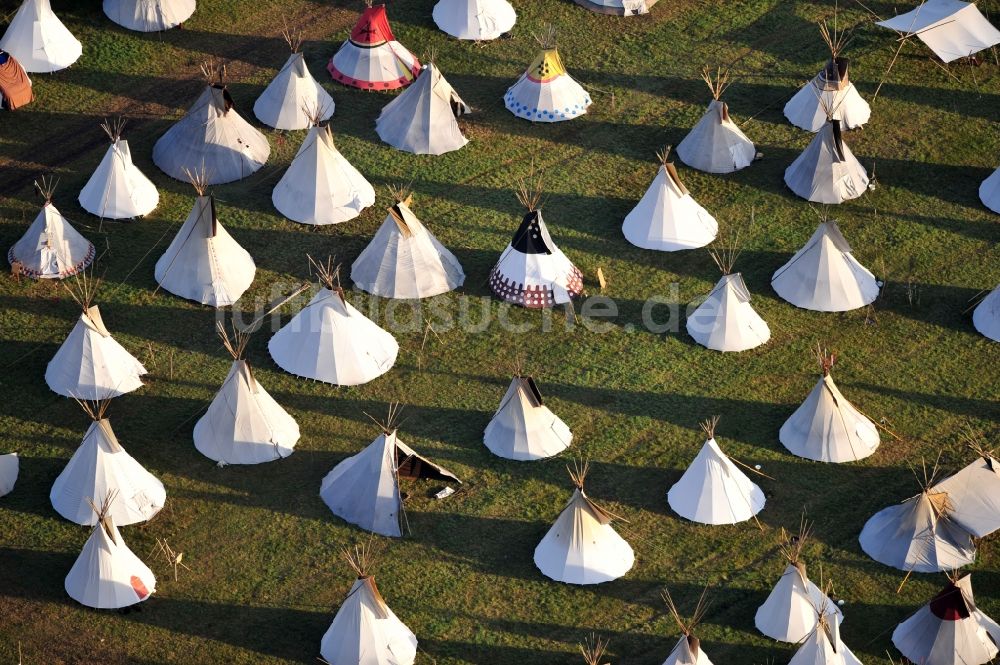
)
(372, 59)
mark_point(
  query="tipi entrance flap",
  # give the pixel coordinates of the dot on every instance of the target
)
(92, 319)
(411, 465)
(531, 390)
(675, 178)
(109, 436)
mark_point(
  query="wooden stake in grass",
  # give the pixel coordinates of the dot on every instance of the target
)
(174, 559)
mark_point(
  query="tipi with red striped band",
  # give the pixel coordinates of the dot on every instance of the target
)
(372, 59)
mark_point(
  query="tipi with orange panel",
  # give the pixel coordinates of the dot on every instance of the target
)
(372, 59)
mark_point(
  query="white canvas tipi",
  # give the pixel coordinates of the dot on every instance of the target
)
(716, 144)
(523, 428)
(203, 262)
(9, 468)
(951, 28)
(404, 260)
(582, 547)
(39, 40)
(789, 613)
(243, 424)
(149, 15)
(667, 217)
(51, 248)
(364, 488)
(950, 629)
(330, 341)
(546, 92)
(100, 465)
(989, 191)
(212, 138)
(824, 646)
(365, 631)
(107, 575)
(824, 275)
(321, 186)
(118, 189)
(422, 119)
(826, 427)
(478, 20)
(713, 490)
(974, 494)
(827, 171)
(986, 316)
(293, 97)
(90, 364)
(688, 649)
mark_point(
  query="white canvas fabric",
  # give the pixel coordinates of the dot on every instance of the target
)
(91, 365)
(687, 651)
(39, 40)
(100, 465)
(827, 171)
(51, 248)
(107, 575)
(422, 119)
(827, 428)
(405, 260)
(974, 496)
(330, 341)
(918, 535)
(824, 647)
(366, 632)
(824, 275)
(667, 218)
(713, 490)
(149, 15)
(949, 630)
(546, 92)
(203, 262)
(9, 468)
(118, 189)
(523, 428)
(211, 138)
(789, 613)
(243, 424)
(320, 186)
(986, 316)
(480, 20)
(582, 547)
(989, 191)
(951, 28)
(726, 321)
(291, 96)
(807, 108)
(716, 144)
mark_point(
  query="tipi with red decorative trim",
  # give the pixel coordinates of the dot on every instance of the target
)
(372, 59)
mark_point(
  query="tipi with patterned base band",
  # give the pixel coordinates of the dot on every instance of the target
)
(107, 575)
(15, 86)
(478, 20)
(372, 59)
(582, 547)
(118, 189)
(716, 144)
(827, 171)
(39, 40)
(688, 649)
(149, 15)
(293, 97)
(9, 467)
(532, 271)
(422, 120)
(523, 428)
(51, 248)
(546, 92)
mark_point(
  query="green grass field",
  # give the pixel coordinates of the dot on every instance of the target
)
(265, 575)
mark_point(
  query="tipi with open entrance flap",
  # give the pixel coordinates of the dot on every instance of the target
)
(951, 28)
(824, 276)
(203, 262)
(364, 488)
(919, 535)
(90, 364)
(149, 15)
(371, 58)
(827, 427)
(582, 547)
(321, 186)
(667, 218)
(532, 271)
(404, 259)
(479, 20)
(713, 490)
(688, 649)
(243, 424)
(546, 92)
(330, 341)
(100, 465)
(107, 575)
(716, 144)
(989, 191)
(986, 316)
(365, 631)
(827, 171)
(832, 88)
(118, 189)
(950, 629)
(422, 119)
(288, 99)
(15, 86)
(789, 613)
(823, 646)
(523, 428)
(39, 40)
(9, 468)
(212, 138)
(51, 248)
